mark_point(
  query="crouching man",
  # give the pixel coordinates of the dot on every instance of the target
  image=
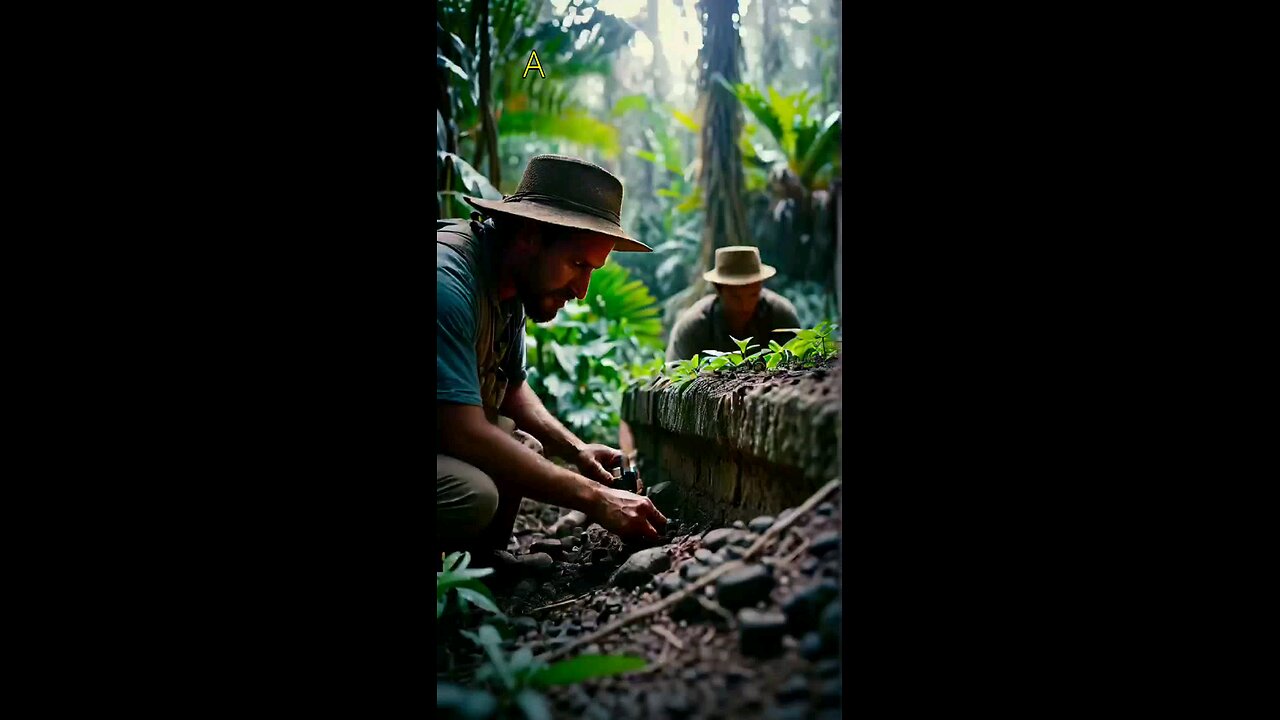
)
(536, 251)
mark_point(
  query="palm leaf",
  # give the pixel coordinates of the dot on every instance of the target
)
(823, 149)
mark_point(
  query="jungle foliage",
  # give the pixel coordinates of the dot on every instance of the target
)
(741, 146)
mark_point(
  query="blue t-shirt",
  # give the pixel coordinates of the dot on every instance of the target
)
(457, 307)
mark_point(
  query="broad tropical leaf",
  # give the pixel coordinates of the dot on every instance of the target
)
(586, 667)
(533, 705)
(473, 180)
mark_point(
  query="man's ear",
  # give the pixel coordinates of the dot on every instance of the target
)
(524, 238)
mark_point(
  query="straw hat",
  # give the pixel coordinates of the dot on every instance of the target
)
(738, 265)
(570, 193)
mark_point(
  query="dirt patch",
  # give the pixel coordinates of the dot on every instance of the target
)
(697, 667)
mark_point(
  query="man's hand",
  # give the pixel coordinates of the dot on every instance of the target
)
(593, 459)
(628, 515)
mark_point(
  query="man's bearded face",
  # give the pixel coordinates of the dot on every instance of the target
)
(559, 269)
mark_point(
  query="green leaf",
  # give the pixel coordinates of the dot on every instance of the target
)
(473, 180)
(533, 705)
(479, 601)
(630, 103)
(755, 103)
(558, 387)
(685, 120)
(586, 667)
(441, 601)
(451, 560)
(825, 149)
(444, 62)
(567, 357)
(773, 360)
(575, 126)
(646, 155)
(522, 659)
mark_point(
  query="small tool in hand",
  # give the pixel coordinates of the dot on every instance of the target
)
(630, 478)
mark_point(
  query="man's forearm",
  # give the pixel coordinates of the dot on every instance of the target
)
(533, 417)
(505, 460)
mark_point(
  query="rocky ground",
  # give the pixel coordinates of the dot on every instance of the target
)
(760, 642)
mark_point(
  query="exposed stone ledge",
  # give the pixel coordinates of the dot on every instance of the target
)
(738, 447)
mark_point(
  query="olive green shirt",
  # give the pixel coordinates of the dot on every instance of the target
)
(703, 326)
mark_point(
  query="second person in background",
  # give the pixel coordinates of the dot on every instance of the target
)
(741, 307)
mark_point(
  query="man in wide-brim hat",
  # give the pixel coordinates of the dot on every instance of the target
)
(742, 307)
(535, 252)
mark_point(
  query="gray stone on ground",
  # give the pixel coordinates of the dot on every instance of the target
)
(687, 608)
(744, 587)
(790, 711)
(829, 693)
(524, 624)
(739, 525)
(552, 547)
(693, 571)
(703, 555)
(795, 688)
(716, 539)
(829, 624)
(825, 543)
(760, 633)
(803, 608)
(743, 539)
(641, 567)
(734, 552)
(669, 583)
(537, 561)
(826, 508)
(827, 669)
(811, 646)
(760, 524)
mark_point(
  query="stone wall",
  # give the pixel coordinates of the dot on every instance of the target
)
(735, 448)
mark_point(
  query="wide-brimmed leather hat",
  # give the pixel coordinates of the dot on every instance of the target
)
(570, 193)
(738, 265)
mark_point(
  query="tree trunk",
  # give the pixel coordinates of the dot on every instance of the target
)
(771, 62)
(721, 176)
(487, 140)
(444, 180)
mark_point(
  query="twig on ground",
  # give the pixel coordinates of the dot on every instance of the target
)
(675, 597)
(668, 636)
(804, 545)
(562, 603)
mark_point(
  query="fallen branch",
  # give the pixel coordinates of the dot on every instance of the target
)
(702, 582)
(668, 636)
(804, 545)
(562, 603)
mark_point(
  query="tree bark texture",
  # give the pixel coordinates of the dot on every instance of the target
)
(721, 176)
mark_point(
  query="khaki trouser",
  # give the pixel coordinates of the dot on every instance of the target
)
(472, 510)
